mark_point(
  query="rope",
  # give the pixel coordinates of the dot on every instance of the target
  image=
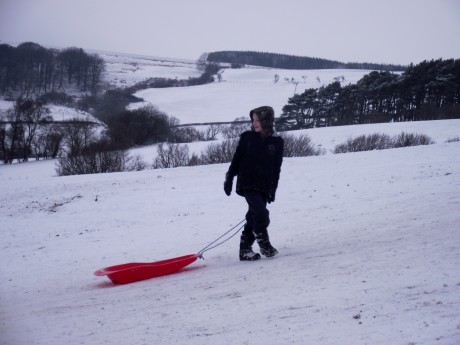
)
(213, 244)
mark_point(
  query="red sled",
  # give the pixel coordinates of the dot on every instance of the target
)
(137, 271)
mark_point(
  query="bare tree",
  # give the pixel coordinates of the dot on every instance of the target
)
(10, 136)
(239, 125)
(212, 131)
(299, 146)
(79, 135)
(171, 156)
(20, 128)
(219, 152)
(95, 159)
(219, 75)
(202, 62)
(32, 114)
(47, 143)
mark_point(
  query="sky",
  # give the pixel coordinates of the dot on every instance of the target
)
(390, 31)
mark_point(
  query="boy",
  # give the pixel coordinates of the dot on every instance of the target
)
(257, 165)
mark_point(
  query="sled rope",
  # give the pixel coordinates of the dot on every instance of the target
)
(216, 242)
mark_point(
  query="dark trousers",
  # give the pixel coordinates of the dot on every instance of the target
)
(257, 219)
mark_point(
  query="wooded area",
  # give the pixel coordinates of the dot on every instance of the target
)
(283, 61)
(35, 76)
(30, 69)
(429, 90)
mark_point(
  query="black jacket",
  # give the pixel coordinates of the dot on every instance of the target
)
(257, 163)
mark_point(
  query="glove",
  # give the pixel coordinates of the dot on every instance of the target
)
(228, 184)
(272, 198)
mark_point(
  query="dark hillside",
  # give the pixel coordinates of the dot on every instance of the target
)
(273, 60)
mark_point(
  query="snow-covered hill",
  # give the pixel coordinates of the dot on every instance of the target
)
(239, 91)
(123, 70)
(328, 139)
(369, 254)
(57, 112)
(369, 243)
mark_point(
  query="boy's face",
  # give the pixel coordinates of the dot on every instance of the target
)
(256, 123)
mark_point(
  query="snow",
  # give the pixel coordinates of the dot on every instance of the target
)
(62, 113)
(369, 249)
(368, 242)
(4, 105)
(57, 112)
(328, 139)
(239, 91)
(124, 70)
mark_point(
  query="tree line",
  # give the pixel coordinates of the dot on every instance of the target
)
(28, 131)
(208, 69)
(30, 69)
(429, 90)
(283, 61)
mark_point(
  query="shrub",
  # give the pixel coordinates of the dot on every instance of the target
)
(98, 157)
(55, 97)
(238, 126)
(194, 160)
(378, 141)
(212, 131)
(92, 160)
(135, 163)
(409, 139)
(186, 135)
(216, 153)
(171, 156)
(91, 163)
(111, 102)
(47, 143)
(453, 140)
(299, 146)
(370, 142)
(137, 127)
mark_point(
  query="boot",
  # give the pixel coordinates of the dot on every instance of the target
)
(246, 253)
(266, 248)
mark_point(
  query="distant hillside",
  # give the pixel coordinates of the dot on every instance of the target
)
(292, 62)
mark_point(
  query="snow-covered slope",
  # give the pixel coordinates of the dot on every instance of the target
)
(123, 70)
(239, 91)
(369, 254)
(57, 112)
(328, 138)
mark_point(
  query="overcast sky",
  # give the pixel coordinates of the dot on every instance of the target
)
(387, 31)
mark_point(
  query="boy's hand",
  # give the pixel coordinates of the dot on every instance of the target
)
(228, 185)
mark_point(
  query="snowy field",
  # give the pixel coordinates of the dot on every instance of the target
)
(239, 91)
(124, 70)
(328, 139)
(57, 112)
(369, 253)
(369, 242)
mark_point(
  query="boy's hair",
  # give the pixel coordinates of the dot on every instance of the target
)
(266, 116)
